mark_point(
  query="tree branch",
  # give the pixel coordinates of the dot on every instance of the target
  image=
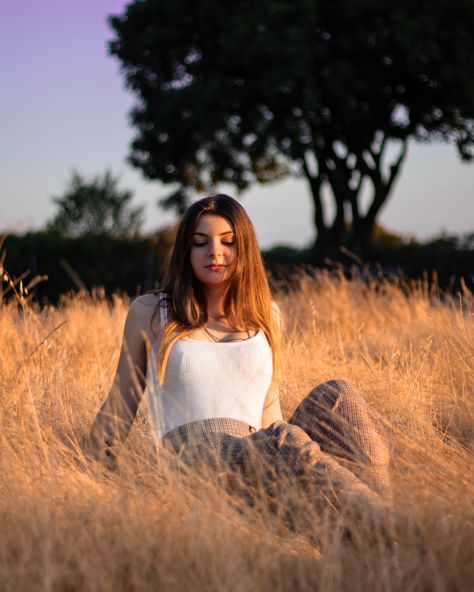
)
(382, 189)
(395, 168)
(315, 185)
(354, 201)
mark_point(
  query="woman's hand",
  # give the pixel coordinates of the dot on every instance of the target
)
(271, 408)
(98, 451)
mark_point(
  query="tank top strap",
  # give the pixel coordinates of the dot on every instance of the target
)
(163, 305)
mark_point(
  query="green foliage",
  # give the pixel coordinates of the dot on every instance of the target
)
(450, 259)
(45, 265)
(447, 259)
(383, 237)
(247, 92)
(66, 264)
(19, 288)
(96, 207)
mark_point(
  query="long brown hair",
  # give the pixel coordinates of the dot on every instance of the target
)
(247, 302)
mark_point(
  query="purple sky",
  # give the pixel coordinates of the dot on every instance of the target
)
(63, 106)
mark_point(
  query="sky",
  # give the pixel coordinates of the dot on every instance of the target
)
(64, 106)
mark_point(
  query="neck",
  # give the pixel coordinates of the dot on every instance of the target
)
(215, 301)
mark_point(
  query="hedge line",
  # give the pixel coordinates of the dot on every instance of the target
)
(448, 261)
(127, 265)
(135, 265)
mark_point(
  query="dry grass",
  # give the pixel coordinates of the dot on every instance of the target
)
(67, 525)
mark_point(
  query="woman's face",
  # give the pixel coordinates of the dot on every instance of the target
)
(213, 250)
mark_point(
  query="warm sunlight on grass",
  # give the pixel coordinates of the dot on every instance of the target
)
(67, 525)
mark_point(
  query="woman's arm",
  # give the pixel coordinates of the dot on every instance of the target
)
(114, 419)
(271, 408)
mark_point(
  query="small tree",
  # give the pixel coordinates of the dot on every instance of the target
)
(96, 206)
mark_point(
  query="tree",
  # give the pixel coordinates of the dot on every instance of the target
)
(331, 90)
(96, 207)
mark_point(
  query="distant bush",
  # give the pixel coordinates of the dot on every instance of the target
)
(134, 265)
(83, 263)
(448, 259)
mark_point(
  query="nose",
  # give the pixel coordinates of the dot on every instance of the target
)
(215, 247)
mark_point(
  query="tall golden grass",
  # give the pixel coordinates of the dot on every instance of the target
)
(69, 525)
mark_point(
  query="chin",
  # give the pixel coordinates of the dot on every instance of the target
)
(214, 281)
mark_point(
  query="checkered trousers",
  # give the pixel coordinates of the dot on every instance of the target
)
(333, 445)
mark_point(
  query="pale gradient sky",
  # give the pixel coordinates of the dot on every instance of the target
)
(63, 106)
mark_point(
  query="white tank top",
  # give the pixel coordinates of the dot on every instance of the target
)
(206, 379)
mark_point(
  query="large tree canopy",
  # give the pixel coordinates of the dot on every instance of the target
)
(331, 90)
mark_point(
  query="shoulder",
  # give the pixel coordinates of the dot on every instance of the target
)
(143, 312)
(152, 307)
(149, 300)
(144, 305)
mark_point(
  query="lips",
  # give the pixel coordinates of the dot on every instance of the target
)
(215, 266)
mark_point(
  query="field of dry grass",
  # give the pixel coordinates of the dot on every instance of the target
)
(68, 525)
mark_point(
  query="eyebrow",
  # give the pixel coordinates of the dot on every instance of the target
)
(221, 234)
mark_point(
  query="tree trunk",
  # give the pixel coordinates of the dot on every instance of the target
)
(328, 238)
(362, 238)
(337, 173)
(363, 226)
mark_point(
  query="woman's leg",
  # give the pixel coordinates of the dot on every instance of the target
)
(336, 417)
(297, 478)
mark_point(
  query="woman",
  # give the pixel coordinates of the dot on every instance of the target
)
(208, 349)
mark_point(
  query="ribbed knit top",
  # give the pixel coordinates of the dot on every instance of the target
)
(206, 380)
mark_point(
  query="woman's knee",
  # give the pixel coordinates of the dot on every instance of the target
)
(335, 392)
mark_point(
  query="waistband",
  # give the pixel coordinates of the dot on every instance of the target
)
(208, 430)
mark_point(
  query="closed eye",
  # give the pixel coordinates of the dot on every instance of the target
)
(226, 243)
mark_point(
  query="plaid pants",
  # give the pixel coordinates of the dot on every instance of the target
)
(333, 447)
